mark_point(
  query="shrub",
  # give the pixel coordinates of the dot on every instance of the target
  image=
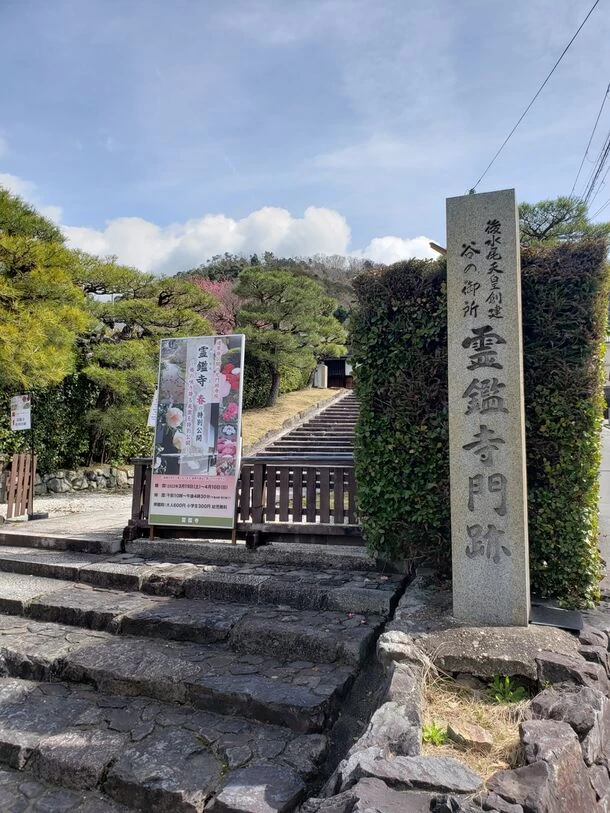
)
(565, 295)
(257, 382)
(399, 349)
(60, 425)
(399, 335)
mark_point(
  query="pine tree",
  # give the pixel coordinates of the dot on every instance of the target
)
(288, 321)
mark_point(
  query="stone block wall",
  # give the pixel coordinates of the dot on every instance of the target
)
(93, 479)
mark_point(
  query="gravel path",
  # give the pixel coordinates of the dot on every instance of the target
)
(115, 502)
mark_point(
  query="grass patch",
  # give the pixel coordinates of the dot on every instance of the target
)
(447, 702)
(257, 422)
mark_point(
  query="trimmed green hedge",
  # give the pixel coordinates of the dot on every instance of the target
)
(565, 295)
(399, 340)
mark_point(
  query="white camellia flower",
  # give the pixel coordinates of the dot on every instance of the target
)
(174, 417)
(172, 382)
(179, 441)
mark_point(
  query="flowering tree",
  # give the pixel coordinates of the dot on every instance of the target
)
(224, 316)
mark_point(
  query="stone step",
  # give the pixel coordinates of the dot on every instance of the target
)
(343, 591)
(222, 552)
(30, 536)
(112, 754)
(299, 695)
(322, 430)
(282, 554)
(311, 437)
(22, 794)
(284, 634)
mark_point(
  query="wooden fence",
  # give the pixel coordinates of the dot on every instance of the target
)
(310, 496)
(20, 488)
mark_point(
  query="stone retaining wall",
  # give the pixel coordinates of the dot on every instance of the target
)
(93, 479)
(565, 735)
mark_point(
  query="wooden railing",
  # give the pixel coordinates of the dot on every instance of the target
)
(310, 495)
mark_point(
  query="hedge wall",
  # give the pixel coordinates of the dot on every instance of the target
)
(399, 340)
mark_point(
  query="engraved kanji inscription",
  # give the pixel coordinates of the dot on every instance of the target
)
(470, 308)
(490, 543)
(485, 396)
(496, 484)
(469, 250)
(484, 445)
(483, 343)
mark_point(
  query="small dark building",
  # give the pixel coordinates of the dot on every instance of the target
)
(340, 372)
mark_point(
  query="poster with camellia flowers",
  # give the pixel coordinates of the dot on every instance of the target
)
(196, 457)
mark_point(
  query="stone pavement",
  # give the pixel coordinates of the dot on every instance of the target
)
(130, 682)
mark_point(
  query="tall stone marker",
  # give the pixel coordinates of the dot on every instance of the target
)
(486, 413)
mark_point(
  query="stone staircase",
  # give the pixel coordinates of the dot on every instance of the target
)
(331, 431)
(134, 683)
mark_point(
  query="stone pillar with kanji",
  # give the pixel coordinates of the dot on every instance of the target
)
(486, 413)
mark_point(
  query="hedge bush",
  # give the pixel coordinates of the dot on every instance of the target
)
(399, 335)
(565, 295)
(61, 429)
(399, 348)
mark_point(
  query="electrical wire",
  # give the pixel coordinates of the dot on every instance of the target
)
(601, 209)
(597, 170)
(590, 140)
(538, 92)
(600, 187)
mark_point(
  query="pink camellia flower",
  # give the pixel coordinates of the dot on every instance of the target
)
(230, 412)
(174, 417)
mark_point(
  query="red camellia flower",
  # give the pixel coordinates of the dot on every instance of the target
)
(231, 373)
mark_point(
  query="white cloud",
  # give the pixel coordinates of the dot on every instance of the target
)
(54, 213)
(18, 186)
(393, 249)
(28, 191)
(168, 249)
(179, 246)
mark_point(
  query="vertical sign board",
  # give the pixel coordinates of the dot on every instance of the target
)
(152, 412)
(196, 458)
(486, 413)
(21, 412)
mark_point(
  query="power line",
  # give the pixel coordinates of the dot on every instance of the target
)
(590, 140)
(594, 169)
(601, 209)
(597, 170)
(600, 187)
(538, 92)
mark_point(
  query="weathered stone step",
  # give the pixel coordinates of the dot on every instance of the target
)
(360, 592)
(305, 635)
(140, 753)
(222, 552)
(300, 695)
(28, 794)
(55, 534)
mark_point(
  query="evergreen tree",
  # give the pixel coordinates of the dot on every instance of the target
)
(556, 221)
(288, 321)
(132, 312)
(42, 310)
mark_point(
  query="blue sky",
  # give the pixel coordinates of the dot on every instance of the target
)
(165, 132)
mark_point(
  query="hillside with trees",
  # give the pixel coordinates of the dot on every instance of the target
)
(81, 333)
